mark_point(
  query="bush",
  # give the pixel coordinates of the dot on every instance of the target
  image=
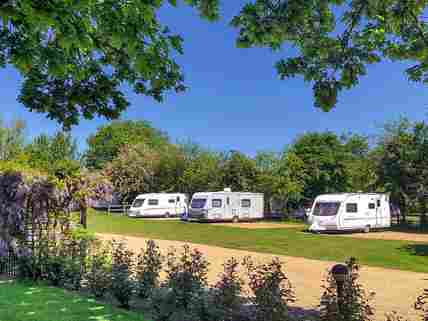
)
(422, 305)
(271, 288)
(122, 284)
(186, 276)
(99, 274)
(356, 304)
(149, 265)
(226, 293)
(183, 294)
(64, 261)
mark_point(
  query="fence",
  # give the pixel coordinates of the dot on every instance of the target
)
(118, 209)
(8, 265)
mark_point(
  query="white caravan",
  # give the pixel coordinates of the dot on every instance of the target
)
(226, 206)
(350, 211)
(159, 205)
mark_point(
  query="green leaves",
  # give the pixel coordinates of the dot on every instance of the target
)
(75, 56)
(333, 56)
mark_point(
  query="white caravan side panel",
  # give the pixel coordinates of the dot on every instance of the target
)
(162, 204)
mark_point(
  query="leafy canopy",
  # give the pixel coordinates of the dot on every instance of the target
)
(74, 56)
(105, 144)
(336, 40)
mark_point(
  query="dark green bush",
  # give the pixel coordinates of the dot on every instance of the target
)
(149, 265)
(356, 303)
(122, 284)
(183, 294)
(99, 273)
(227, 292)
(186, 276)
(271, 289)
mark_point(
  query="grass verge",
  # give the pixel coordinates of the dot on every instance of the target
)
(403, 255)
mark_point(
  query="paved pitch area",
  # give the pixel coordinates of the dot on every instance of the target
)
(395, 290)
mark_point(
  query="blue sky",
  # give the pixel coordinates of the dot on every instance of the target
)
(235, 99)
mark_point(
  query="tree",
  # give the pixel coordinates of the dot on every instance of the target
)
(53, 153)
(239, 172)
(267, 164)
(74, 56)
(360, 164)
(12, 140)
(403, 163)
(83, 188)
(337, 40)
(290, 179)
(106, 143)
(142, 169)
(324, 158)
(202, 170)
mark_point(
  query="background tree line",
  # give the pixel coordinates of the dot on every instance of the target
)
(138, 158)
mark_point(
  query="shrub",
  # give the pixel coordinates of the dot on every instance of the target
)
(149, 265)
(181, 297)
(99, 274)
(122, 285)
(64, 261)
(356, 303)
(226, 293)
(422, 305)
(186, 276)
(271, 288)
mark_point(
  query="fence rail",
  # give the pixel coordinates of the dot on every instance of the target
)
(118, 209)
(8, 265)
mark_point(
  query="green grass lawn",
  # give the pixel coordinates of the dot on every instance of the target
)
(404, 255)
(24, 302)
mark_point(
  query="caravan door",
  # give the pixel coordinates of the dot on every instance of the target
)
(217, 208)
(246, 204)
(373, 212)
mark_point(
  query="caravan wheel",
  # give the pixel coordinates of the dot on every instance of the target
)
(167, 215)
(367, 229)
(235, 219)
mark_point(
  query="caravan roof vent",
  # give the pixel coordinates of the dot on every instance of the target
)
(228, 189)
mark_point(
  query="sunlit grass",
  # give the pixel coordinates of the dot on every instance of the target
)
(23, 302)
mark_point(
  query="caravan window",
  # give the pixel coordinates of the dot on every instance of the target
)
(246, 203)
(198, 202)
(138, 202)
(172, 201)
(178, 198)
(326, 208)
(216, 203)
(153, 202)
(352, 208)
(378, 203)
(372, 206)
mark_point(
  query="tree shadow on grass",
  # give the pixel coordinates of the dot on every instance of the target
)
(416, 249)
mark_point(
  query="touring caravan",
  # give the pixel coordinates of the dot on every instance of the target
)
(350, 212)
(159, 205)
(226, 206)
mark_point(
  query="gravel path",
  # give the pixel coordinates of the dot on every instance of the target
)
(395, 290)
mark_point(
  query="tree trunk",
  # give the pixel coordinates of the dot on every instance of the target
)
(83, 216)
